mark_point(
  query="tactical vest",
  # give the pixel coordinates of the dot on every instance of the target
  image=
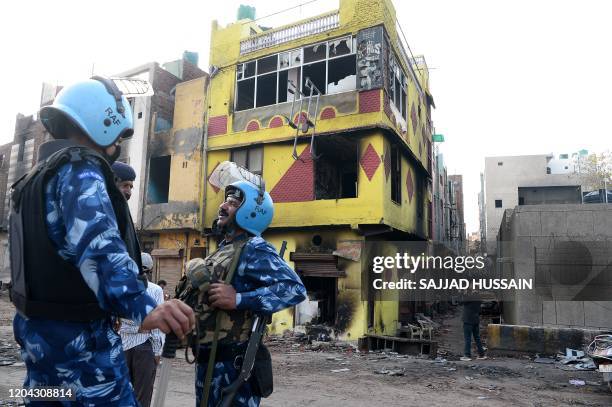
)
(44, 285)
(193, 288)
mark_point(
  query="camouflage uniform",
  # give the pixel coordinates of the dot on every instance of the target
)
(86, 357)
(264, 284)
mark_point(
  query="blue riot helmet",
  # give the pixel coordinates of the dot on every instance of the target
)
(256, 210)
(95, 106)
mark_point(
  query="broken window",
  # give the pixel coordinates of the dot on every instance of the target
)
(315, 52)
(331, 66)
(342, 74)
(396, 175)
(316, 73)
(336, 171)
(340, 46)
(284, 77)
(159, 179)
(250, 158)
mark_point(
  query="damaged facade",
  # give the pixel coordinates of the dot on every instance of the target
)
(368, 176)
(169, 166)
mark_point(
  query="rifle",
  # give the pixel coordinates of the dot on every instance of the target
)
(259, 326)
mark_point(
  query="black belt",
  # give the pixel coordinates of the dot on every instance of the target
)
(225, 353)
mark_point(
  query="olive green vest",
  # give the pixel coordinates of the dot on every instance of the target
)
(193, 289)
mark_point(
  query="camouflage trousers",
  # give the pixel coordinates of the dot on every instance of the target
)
(224, 374)
(85, 357)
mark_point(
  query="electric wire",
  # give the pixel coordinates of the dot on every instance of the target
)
(282, 11)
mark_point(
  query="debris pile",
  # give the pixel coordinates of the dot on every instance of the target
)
(9, 354)
(572, 360)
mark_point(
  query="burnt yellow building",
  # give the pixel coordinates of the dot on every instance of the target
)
(367, 175)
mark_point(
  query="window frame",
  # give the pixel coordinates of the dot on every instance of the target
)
(299, 52)
(248, 150)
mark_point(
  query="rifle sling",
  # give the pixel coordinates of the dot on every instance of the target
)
(213, 347)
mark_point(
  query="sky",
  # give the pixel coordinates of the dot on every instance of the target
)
(508, 77)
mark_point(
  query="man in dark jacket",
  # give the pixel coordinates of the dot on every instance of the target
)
(471, 327)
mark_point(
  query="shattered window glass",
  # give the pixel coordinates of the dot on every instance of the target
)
(296, 57)
(341, 46)
(316, 73)
(315, 52)
(284, 60)
(342, 74)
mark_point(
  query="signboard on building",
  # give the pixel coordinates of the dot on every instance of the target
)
(370, 61)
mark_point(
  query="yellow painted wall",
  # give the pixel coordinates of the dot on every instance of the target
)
(349, 287)
(373, 204)
(186, 158)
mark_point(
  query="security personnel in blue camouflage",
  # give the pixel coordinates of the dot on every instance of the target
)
(75, 260)
(262, 283)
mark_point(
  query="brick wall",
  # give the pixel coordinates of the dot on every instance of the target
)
(369, 101)
(190, 71)
(162, 102)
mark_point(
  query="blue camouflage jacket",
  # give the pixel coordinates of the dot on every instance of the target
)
(264, 282)
(87, 357)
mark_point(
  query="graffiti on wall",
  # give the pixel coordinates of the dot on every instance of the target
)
(370, 58)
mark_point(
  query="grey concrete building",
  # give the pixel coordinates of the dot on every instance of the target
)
(482, 216)
(458, 228)
(567, 250)
(524, 180)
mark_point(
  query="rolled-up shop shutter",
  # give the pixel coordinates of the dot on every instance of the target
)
(169, 267)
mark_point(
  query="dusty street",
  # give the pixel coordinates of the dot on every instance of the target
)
(317, 375)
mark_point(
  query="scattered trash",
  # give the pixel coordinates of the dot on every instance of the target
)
(590, 383)
(469, 378)
(18, 364)
(398, 372)
(482, 397)
(573, 353)
(572, 356)
(452, 369)
(577, 382)
(340, 370)
(587, 365)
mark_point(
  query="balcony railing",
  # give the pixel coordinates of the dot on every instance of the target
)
(291, 32)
